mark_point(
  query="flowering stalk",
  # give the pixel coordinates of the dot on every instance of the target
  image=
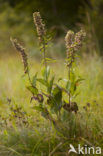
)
(79, 37)
(40, 27)
(21, 50)
(69, 41)
(73, 44)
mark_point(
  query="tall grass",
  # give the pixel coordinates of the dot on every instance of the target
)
(23, 141)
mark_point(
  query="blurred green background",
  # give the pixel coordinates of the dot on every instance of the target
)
(59, 16)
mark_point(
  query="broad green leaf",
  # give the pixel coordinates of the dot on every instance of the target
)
(60, 79)
(65, 80)
(34, 80)
(57, 98)
(42, 81)
(46, 72)
(38, 108)
(79, 80)
(57, 94)
(74, 85)
(73, 88)
(32, 89)
(68, 85)
(50, 60)
(50, 84)
(75, 95)
(53, 104)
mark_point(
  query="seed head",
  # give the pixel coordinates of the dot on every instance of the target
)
(21, 50)
(40, 26)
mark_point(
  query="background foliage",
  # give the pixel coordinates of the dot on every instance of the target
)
(16, 20)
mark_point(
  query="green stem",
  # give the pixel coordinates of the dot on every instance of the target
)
(29, 78)
(69, 79)
(44, 55)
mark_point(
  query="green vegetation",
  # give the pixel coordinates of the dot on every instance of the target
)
(40, 119)
(37, 137)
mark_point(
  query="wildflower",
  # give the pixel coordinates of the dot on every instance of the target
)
(21, 50)
(73, 44)
(40, 26)
(69, 38)
(79, 37)
(69, 42)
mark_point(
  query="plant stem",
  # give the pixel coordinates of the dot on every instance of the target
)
(29, 78)
(44, 55)
(69, 79)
